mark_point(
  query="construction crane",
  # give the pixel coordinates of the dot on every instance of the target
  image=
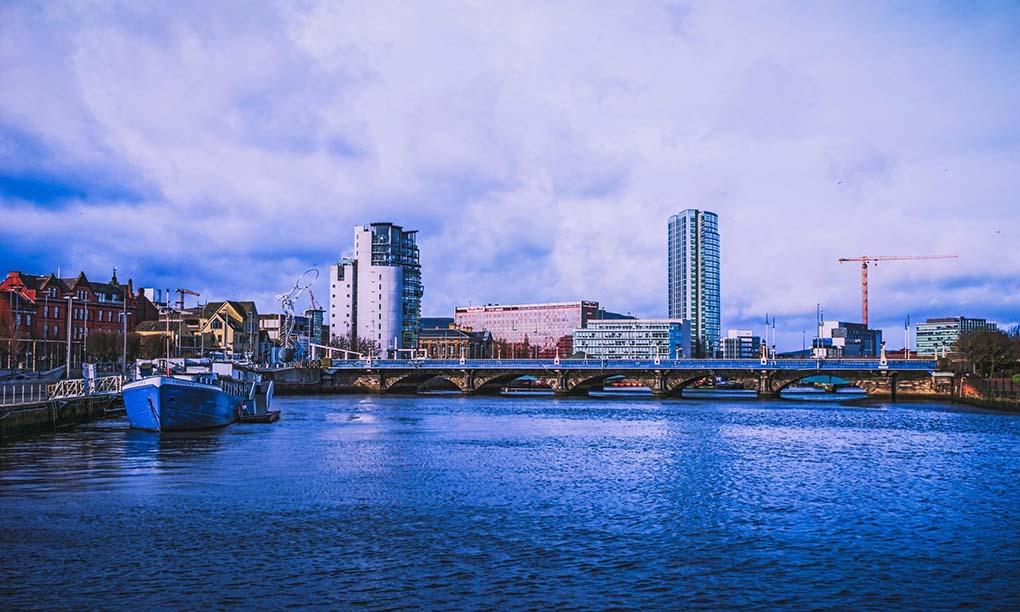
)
(867, 259)
(311, 298)
(182, 293)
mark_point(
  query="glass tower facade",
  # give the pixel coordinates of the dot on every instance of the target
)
(393, 246)
(693, 268)
(376, 294)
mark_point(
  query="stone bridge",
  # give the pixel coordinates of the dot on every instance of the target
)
(667, 378)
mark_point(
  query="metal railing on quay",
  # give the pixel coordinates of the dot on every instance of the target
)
(18, 394)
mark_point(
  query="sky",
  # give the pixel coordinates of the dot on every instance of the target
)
(538, 147)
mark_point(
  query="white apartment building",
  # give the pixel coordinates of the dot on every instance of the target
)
(376, 294)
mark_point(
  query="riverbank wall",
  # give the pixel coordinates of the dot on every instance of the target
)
(28, 419)
(982, 393)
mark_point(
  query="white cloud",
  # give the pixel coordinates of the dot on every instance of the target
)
(540, 147)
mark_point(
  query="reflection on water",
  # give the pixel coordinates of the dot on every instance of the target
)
(491, 502)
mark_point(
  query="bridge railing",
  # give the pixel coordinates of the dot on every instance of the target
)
(639, 364)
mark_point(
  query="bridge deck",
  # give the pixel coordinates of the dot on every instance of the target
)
(641, 364)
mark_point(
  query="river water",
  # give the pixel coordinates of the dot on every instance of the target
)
(494, 503)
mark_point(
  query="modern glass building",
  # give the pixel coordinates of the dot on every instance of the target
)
(741, 344)
(634, 339)
(934, 335)
(376, 294)
(693, 269)
(840, 339)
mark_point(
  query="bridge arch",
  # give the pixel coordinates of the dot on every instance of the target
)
(411, 383)
(493, 383)
(811, 377)
(677, 381)
(579, 383)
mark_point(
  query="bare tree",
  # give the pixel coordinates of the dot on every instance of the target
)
(365, 346)
(103, 346)
(11, 335)
(152, 346)
(986, 351)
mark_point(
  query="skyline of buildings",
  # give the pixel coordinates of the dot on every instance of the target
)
(376, 295)
(693, 270)
(35, 304)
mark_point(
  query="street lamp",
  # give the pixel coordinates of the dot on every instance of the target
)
(67, 367)
(123, 358)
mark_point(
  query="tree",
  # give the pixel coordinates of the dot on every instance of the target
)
(347, 342)
(152, 346)
(103, 346)
(11, 335)
(986, 351)
(1014, 339)
(133, 346)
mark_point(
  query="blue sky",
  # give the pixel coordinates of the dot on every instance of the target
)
(538, 147)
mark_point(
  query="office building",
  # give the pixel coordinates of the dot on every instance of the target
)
(839, 339)
(741, 344)
(634, 339)
(693, 269)
(528, 330)
(376, 294)
(936, 335)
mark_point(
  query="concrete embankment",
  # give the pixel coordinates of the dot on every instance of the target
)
(27, 419)
(294, 381)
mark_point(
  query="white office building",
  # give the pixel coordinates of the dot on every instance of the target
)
(376, 294)
(634, 339)
(936, 336)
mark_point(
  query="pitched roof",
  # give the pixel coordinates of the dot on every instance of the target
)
(151, 326)
(72, 283)
(160, 326)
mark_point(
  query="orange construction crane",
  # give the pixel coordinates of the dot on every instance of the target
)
(866, 259)
(182, 292)
(311, 298)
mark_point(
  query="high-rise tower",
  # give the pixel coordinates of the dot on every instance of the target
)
(376, 295)
(694, 276)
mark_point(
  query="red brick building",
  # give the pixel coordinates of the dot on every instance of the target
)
(47, 312)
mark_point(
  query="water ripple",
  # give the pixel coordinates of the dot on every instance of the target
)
(393, 503)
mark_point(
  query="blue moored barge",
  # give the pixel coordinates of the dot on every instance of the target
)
(182, 401)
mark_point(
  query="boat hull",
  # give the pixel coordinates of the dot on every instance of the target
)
(527, 393)
(162, 403)
(823, 396)
(719, 394)
(629, 393)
